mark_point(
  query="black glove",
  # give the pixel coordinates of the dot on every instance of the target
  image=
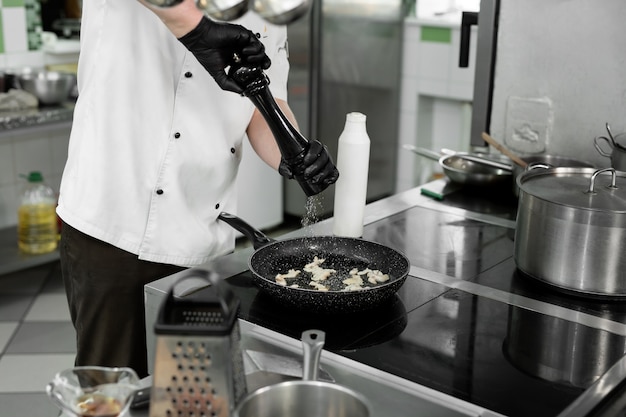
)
(214, 44)
(317, 166)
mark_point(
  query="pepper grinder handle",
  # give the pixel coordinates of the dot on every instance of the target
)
(291, 143)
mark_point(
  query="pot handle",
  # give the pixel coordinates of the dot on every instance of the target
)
(538, 165)
(596, 144)
(592, 181)
(258, 238)
(312, 345)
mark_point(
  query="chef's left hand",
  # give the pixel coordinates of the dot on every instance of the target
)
(317, 166)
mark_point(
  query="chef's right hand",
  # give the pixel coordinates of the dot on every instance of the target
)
(317, 166)
(214, 44)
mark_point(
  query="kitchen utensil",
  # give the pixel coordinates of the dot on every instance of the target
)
(614, 142)
(281, 12)
(464, 171)
(462, 155)
(571, 229)
(340, 253)
(224, 9)
(617, 153)
(50, 87)
(292, 144)
(198, 366)
(550, 161)
(93, 391)
(308, 397)
(504, 150)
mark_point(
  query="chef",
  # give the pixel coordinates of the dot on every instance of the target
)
(153, 156)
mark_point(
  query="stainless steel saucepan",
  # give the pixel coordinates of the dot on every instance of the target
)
(470, 169)
(308, 397)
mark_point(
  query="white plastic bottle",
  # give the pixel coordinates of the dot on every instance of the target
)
(353, 155)
(37, 220)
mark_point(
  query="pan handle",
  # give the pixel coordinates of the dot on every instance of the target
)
(258, 238)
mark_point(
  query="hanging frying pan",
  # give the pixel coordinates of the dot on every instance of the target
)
(342, 254)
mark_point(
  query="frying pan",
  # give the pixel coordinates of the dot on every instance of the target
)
(273, 257)
(468, 169)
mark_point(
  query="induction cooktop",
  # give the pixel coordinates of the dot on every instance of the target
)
(466, 322)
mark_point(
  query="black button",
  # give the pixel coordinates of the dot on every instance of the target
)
(217, 206)
(177, 135)
(232, 150)
(258, 35)
(159, 191)
(188, 74)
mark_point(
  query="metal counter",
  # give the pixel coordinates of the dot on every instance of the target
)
(12, 120)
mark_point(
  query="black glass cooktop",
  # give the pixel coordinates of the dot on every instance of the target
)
(496, 355)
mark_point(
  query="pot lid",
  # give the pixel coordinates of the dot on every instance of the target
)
(584, 188)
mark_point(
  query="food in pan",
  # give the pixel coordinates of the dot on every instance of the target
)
(322, 279)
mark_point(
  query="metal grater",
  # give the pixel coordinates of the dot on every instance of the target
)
(198, 369)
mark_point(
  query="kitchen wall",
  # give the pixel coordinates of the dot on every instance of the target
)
(559, 75)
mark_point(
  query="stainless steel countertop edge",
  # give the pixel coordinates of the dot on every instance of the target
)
(597, 392)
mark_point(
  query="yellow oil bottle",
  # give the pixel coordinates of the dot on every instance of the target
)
(37, 221)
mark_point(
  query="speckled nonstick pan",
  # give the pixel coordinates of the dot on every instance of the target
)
(273, 257)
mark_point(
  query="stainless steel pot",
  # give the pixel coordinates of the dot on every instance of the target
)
(571, 229)
(306, 398)
(551, 160)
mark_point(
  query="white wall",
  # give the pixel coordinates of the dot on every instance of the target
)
(560, 67)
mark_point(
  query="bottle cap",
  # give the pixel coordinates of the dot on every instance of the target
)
(356, 117)
(35, 176)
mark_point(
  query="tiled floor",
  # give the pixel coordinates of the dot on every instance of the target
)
(37, 338)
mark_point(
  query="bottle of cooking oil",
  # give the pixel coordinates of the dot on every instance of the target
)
(37, 219)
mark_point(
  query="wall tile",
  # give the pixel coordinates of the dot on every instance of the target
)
(23, 59)
(33, 154)
(9, 197)
(7, 164)
(59, 140)
(13, 3)
(14, 29)
(2, 48)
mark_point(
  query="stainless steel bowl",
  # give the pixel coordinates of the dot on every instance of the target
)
(281, 12)
(225, 10)
(50, 87)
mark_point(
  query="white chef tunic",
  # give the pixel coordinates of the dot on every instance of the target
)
(155, 143)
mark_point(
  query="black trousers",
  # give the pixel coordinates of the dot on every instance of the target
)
(104, 287)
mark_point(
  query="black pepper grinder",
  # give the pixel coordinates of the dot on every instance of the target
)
(292, 144)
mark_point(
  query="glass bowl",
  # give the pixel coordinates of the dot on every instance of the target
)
(93, 391)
